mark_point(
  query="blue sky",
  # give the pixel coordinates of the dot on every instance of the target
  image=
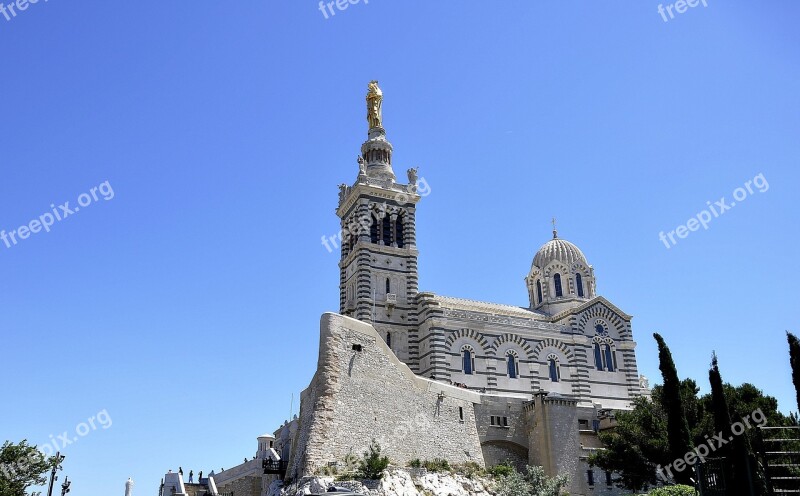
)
(187, 306)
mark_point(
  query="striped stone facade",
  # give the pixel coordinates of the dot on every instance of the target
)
(545, 377)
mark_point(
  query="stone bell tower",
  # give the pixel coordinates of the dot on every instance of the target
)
(378, 266)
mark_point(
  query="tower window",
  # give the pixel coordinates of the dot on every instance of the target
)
(461, 413)
(608, 478)
(579, 284)
(388, 286)
(398, 227)
(539, 290)
(373, 230)
(467, 360)
(389, 339)
(557, 282)
(387, 231)
(590, 477)
(512, 365)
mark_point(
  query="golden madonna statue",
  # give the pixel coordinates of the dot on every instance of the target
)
(374, 105)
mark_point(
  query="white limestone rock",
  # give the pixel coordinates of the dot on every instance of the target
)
(309, 485)
(398, 482)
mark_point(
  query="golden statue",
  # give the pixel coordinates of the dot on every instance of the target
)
(374, 105)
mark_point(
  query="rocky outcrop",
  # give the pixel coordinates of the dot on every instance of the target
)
(396, 482)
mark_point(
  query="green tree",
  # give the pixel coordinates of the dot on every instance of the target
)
(22, 466)
(533, 482)
(678, 436)
(373, 464)
(636, 445)
(739, 452)
(794, 360)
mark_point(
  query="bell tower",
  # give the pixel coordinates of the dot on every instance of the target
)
(378, 267)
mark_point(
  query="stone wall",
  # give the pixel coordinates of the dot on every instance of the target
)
(507, 439)
(554, 438)
(361, 391)
(243, 486)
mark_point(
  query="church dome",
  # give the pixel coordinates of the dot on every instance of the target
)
(560, 250)
(560, 277)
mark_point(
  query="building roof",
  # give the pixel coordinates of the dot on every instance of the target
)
(560, 250)
(486, 307)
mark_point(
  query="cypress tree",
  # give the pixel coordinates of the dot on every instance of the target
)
(739, 451)
(678, 437)
(794, 360)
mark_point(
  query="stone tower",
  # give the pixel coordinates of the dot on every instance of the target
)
(378, 267)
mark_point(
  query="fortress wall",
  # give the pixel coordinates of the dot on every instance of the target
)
(357, 396)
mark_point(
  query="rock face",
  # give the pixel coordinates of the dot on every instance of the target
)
(362, 391)
(396, 482)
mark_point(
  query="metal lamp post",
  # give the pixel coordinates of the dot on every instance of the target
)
(65, 486)
(57, 466)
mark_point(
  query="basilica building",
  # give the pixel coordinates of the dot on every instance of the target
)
(430, 376)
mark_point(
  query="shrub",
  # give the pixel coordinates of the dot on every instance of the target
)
(328, 470)
(678, 490)
(470, 469)
(533, 482)
(373, 464)
(415, 463)
(501, 470)
(437, 465)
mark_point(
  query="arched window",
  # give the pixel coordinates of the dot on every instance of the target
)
(389, 339)
(512, 365)
(398, 227)
(557, 282)
(598, 356)
(605, 356)
(388, 286)
(554, 369)
(610, 359)
(467, 360)
(387, 231)
(539, 290)
(373, 230)
(579, 284)
(600, 330)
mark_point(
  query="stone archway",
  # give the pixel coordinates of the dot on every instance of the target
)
(497, 452)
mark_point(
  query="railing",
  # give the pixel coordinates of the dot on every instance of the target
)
(391, 298)
(779, 448)
(712, 477)
(270, 466)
